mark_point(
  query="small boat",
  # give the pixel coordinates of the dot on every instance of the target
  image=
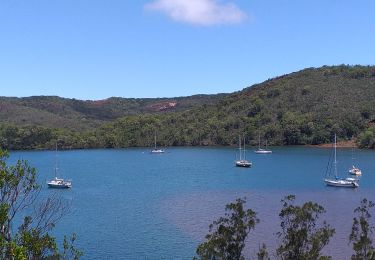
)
(261, 150)
(242, 162)
(346, 183)
(156, 150)
(58, 183)
(335, 181)
(355, 171)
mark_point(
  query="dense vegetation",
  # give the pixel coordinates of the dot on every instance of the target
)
(302, 235)
(73, 114)
(304, 107)
(26, 220)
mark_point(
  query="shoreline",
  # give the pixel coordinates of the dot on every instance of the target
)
(340, 144)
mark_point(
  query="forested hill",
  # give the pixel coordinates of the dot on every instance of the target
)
(73, 114)
(304, 107)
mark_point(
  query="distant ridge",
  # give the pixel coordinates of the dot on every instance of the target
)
(304, 107)
(74, 114)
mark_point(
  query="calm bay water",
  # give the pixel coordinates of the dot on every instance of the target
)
(130, 204)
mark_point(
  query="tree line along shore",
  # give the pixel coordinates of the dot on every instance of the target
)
(301, 108)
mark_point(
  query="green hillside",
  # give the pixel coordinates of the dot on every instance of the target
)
(73, 114)
(304, 107)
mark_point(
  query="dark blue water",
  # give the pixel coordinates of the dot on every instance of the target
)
(129, 204)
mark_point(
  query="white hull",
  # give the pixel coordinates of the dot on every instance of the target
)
(261, 151)
(59, 184)
(157, 151)
(243, 163)
(342, 183)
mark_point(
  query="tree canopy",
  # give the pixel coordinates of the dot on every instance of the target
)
(303, 107)
(362, 232)
(226, 239)
(19, 195)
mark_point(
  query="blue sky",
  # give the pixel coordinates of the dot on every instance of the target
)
(92, 49)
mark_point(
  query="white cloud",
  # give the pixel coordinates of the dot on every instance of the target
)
(199, 12)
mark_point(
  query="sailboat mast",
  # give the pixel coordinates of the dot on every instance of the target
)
(155, 139)
(335, 162)
(55, 161)
(259, 141)
(239, 142)
(244, 151)
(353, 159)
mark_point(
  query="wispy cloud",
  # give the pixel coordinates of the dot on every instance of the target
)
(199, 12)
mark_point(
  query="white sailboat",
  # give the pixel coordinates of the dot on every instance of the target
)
(242, 162)
(156, 150)
(261, 150)
(58, 183)
(335, 180)
(354, 170)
